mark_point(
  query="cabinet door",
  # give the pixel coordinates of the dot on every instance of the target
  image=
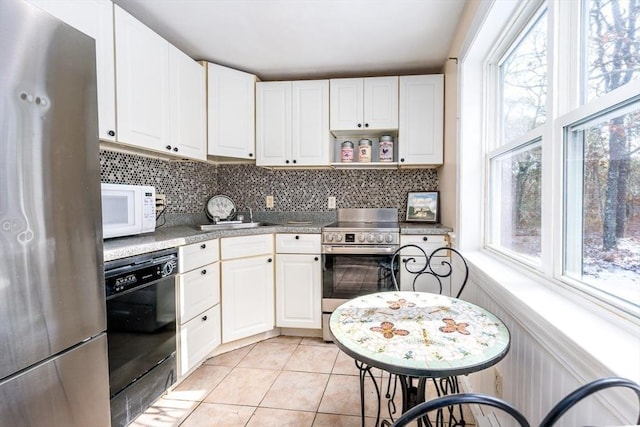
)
(95, 19)
(420, 133)
(198, 290)
(142, 84)
(311, 141)
(231, 112)
(346, 107)
(381, 103)
(247, 297)
(298, 291)
(188, 106)
(273, 123)
(198, 338)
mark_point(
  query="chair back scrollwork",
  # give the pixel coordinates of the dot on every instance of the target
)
(582, 392)
(420, 411)
(437, 266)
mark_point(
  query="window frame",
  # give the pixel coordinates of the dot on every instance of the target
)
(565, 107)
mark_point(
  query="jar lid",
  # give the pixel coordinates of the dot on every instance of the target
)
(386, 138)
(364, 142)
(347, 144)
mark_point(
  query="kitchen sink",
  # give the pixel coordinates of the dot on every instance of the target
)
(232, 225)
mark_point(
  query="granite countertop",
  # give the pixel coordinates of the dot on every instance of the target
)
(178, 235)
(423, 228)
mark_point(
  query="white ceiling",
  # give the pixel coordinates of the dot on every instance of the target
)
(295, 39)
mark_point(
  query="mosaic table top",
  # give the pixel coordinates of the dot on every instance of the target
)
(419, 334)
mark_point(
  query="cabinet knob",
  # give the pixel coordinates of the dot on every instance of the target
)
(295, 161)
(204, 318)
(297, 237)
(315, 258)
(425, 238)
(359, 125)
(203, 272)
(286, 161)
(366, 125)
(401, 160)
(168, 147)
(270, 260)
(111, 133)
(203, 246)
(175, 149)
(250, 154)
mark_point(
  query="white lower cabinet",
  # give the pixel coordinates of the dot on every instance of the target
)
(298, 281)
(198, 337)
(415, 260)
(198, 303)
(247, 270)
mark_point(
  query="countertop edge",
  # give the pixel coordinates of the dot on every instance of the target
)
(169, 237)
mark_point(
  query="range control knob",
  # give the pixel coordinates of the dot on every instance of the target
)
(361, 237)
(328, 237)
(379, 238)
(370, 238)
(338, 237)
(388, 238)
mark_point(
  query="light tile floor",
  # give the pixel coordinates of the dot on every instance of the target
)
(282, 381)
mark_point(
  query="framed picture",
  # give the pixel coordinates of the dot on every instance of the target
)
(423, 207)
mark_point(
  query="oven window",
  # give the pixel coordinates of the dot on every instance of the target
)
(141, 331)
(349, 276)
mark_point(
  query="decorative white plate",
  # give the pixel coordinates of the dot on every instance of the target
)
(220, 206)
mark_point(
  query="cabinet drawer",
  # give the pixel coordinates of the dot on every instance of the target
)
(198, 290)
(298, 243)
(198, 338)
(245, 246)
(198, 254)
(428, 242)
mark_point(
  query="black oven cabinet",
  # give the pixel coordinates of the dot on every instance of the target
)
(247, 283)
(412, 259)
(298, 281)
(198, 301)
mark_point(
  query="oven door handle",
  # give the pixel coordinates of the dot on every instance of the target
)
(358, 250)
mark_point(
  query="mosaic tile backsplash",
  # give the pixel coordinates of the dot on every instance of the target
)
(188, 185)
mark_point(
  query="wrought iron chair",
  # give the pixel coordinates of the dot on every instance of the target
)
(439, 257)
(580, 393)
(420, 411)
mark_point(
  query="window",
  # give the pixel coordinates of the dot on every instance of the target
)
(602, 202)
(568, 137)
(611, 45)
(515, 165)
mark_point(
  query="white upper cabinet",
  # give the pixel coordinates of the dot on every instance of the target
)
(292, 123)
(231, 112)
(364, 104)
(160, 91)
(95, 19)
(188, 106)
(420, 133)
(142, 70)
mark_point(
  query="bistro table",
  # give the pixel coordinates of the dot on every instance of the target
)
(417, 336)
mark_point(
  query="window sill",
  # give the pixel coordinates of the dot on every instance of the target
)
(584, 336)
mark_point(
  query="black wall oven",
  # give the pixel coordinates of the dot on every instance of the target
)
(141, 331)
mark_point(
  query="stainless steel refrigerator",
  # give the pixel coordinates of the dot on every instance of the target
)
(53, 346)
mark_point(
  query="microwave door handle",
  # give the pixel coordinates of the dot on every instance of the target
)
(358, 250)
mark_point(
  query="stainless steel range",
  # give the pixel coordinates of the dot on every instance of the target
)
(356, 252)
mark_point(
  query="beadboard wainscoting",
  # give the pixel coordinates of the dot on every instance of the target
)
(545, 361)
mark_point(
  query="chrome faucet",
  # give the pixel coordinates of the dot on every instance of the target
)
(250, 214)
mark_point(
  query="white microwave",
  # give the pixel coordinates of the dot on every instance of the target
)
(127, 209)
